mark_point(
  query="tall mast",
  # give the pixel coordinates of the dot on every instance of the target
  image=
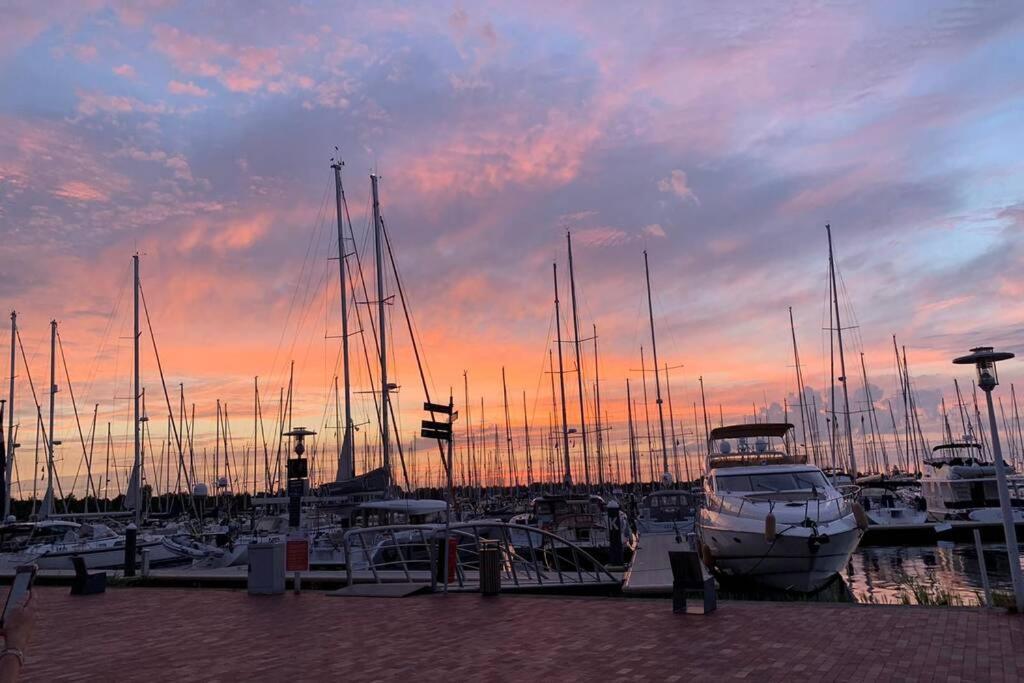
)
(136, 483)
(1016, 417)
(529, 457)
(672, 424)
(579, 365)
(842, 358)
(647, 413)
(381, 323)
(597, 416)
(346, 456)
(513, 471)
(704, 407)
(50, 443)
(799, 383)
(9, 456)
(634, 467)
(657, 375)
(561, 382)
(876, 430)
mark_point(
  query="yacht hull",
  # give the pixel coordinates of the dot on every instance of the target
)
(793, 561)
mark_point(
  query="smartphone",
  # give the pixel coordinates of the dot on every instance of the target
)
(22, 584)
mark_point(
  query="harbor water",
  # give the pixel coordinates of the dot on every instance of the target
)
(900, 574)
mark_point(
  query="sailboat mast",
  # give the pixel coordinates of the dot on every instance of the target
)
(529, 456)
(561, 381)
(704, 407)
(49, 433)
(799, 384)
(513, 471)
(657, 375)
(842, 358)
(599, 441)
(381, 323)
(346, 456)
(136, 483)
(672, 425)
(634, 468)
(9, 456)
(579, 365)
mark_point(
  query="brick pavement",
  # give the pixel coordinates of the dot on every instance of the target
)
(174, 633)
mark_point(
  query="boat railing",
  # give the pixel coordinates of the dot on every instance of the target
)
(529, 557)
(823, 509)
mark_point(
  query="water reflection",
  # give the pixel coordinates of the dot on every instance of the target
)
(888, 575)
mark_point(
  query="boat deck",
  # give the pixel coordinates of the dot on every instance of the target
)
(180, 634)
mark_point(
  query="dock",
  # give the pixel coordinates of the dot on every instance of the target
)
(181, 634)
(650, 572)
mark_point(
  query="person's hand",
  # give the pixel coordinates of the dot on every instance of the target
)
(18, 625)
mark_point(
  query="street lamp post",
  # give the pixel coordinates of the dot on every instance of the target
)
(984, 358)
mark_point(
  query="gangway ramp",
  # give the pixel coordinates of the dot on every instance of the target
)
(650, 572)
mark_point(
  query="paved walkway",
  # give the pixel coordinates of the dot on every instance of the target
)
(182, 634)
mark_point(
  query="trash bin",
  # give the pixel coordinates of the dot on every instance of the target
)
(490, 567)
(266, 568)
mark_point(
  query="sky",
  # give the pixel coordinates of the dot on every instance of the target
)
(719, 137)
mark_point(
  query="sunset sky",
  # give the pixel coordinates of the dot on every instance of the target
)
(720, 139)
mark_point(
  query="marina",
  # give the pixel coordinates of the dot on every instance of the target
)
(395, 341)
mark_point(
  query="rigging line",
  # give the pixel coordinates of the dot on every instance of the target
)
(412, 335)
(78, 423)
(167, 396)
(298, 281)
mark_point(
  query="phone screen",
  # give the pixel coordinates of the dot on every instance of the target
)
(21, 585)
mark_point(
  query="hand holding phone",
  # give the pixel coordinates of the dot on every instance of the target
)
(20, 591)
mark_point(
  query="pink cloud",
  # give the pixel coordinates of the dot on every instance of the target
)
(77, 190)
(190, 88)
(125, 71)
(676, 183)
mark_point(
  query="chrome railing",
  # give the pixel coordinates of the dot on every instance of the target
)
(529, 557)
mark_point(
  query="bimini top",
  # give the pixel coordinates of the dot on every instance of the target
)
(423, 506)
(956, 446)
(748, 431)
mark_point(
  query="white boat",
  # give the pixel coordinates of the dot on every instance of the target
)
(668, 511)
(582, 520)
(51, 544)
(960, 484)
(891, 502)
(770, 517)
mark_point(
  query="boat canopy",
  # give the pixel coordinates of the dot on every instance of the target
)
(409, 507)
(750, 431)
(956, 446)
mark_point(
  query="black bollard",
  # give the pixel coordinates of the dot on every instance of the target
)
(614, 535)
(130, 536)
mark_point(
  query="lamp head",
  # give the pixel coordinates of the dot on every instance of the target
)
(984, 359)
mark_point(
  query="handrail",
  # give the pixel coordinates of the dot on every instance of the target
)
(521, 564)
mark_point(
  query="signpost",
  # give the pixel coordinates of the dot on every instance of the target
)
(442, 431)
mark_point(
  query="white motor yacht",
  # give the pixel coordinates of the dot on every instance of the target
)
(52, 543)
(959, 483)
(769, 516)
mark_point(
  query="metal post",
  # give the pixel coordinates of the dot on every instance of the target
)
(1009, 529)
(981, 568)
(614, 535)
(130, 540)
(346, 462)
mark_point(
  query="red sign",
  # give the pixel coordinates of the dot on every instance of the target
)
(297, 556)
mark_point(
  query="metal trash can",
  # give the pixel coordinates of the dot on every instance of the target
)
(266, 568)
(490, 567)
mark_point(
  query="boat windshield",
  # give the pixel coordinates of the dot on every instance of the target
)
(776, 481)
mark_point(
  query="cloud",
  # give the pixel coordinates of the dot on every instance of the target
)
(677, 184)
(190, 88)
(125, 71)
(77, 190)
